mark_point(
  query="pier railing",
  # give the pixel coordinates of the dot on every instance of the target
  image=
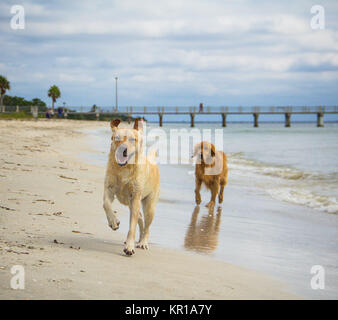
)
(210, 109)
(224, 111)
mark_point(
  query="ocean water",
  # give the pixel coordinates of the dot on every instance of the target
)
(280, 209)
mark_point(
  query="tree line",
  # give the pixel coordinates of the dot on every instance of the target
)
(12, 101)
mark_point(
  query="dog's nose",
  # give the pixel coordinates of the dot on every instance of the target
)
(123, 148)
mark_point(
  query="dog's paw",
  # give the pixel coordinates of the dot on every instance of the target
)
(210, 205)
(143, 245)
(129, 250)
(220, 199)
(115, 225)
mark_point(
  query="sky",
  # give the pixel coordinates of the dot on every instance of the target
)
(172, 53)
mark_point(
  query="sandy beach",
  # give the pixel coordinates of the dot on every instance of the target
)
(51, 222)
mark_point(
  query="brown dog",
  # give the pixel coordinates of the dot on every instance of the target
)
(133, 179)
(211, 169)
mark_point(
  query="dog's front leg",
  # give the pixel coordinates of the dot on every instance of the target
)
(198, 184)
(135, 204)
(108, 199)
(214, 189)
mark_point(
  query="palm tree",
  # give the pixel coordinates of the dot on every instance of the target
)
(4, 85)
(54, 93)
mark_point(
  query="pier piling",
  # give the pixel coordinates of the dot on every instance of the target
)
(161, 119)
(192, 116)
(288, 120)
(320, 119)
(256, 115)
(224, 119)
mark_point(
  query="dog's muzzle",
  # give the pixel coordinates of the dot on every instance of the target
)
(122, 156)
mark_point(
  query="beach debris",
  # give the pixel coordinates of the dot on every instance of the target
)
(75, 231)
(60, 281)
(57, 242)
(71, 247)
(65, 177)
(45, 200)
(6, 208)
(44, 261)
(17, 252)
(59, 213)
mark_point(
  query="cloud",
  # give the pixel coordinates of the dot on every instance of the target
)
(172, 52)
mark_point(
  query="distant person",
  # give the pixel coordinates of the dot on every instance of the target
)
(201, 107)
(52, 113)
(60, 112)
(48, 113)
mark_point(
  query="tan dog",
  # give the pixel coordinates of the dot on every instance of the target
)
(211, 169)
(133, 179)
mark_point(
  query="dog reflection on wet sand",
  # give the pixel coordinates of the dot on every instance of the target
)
(202, 235)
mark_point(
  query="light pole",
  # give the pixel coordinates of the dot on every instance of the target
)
(116, 104)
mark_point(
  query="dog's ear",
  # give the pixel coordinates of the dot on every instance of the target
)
(138, 125)
(194, 152)
(115, 123)
(212, 150)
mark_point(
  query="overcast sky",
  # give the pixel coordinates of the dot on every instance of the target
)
(172, 52)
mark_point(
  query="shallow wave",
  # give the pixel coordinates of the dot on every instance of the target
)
(237, 161)
(309, 199)
(298, 183)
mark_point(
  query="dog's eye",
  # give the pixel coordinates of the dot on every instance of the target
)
(117, 138)
(132, 139)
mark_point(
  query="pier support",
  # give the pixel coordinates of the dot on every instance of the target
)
(161, 119)
(288, 120)
(256, 119)
(320, 119)
(224, 119)
(192, 116)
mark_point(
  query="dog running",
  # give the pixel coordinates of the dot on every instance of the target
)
(134, 180)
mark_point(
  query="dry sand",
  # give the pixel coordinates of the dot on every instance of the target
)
(51, 222)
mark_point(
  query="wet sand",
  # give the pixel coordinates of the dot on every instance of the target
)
(52, 223)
